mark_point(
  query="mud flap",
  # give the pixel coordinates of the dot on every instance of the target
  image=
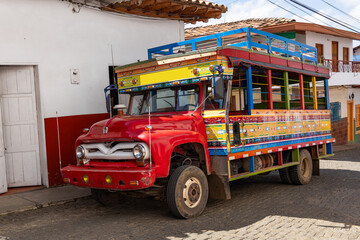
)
(219, 187)
(315, 160)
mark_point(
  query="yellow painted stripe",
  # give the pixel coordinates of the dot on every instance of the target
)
(173, 74)
(314, 92)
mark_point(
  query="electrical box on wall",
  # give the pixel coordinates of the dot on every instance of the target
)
(74, 76)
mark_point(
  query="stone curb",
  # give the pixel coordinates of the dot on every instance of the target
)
(39, 206)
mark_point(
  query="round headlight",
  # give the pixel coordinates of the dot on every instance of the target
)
(139, 151)
(80, 152)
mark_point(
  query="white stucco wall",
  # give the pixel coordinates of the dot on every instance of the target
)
(344, 78)
(300, 38)
(356, 92)
(342, 94)
(312, 38)
(339, 94)
(47, 33)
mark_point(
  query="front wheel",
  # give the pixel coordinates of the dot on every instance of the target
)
(187, 192)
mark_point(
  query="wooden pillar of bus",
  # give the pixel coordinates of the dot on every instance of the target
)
(314, 92)
(286, 90)
(269, 88)
(327, 93)
(249, 90)
(301, 85)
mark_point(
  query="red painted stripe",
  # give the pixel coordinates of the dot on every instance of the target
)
(274, 150)
(294, 64)
(70, 128)
(280, 158)
(301, 83)
(260, 57)
(269, 88)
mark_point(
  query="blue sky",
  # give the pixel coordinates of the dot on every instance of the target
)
(243, 9)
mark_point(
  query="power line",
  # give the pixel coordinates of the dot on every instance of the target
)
(328, 27)
(287, 1)
(289, 11)
(325, 16)
(347, 14)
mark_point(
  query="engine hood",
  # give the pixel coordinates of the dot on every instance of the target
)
(128, 128)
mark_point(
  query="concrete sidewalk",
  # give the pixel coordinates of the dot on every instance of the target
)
(345, 147)
(41, 198)
(59, 195)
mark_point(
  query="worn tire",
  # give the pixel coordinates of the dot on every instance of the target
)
(187, 203)
(106, 198)
(285, 175)
(301, 174)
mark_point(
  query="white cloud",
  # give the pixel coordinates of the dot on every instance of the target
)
(239, 10)
(244, 9)
(253, 9)
(350, 3)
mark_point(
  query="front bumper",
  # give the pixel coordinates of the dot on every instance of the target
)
(121, 179)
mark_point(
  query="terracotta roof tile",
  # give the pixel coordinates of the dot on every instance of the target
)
(222, 27)
(190, 11)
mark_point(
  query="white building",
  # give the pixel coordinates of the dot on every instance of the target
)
(356, 52)
(54, 64)
(335, 49)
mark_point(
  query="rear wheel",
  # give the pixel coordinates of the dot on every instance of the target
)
(285, 175)
(301, 174)
(187, 192)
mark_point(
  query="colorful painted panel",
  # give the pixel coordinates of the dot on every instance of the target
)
(266, 126)
(200, 71)
(215, 125)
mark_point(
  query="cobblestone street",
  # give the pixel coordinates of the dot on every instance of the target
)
(261, 208)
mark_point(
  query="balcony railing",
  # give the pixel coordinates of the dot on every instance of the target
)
(342, 66)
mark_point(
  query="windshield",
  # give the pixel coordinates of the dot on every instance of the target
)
(185, 98)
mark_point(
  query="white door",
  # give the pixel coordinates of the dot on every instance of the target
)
(19, 123)
(3, 180)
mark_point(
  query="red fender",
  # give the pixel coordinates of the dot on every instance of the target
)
(163, 143)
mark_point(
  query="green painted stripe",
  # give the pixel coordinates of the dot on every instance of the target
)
(286, 83)
(327, 155)
(290, 35)
(264, 171)
(295, 154)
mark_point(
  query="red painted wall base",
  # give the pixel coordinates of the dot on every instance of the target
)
(339, 130)
(70, 127)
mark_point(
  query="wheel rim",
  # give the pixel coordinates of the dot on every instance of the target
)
(305, 169)
(192, 192)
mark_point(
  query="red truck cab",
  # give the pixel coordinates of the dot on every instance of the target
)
(119, 148)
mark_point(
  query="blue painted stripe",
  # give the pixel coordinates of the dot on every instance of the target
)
(267, 139)
(249, 90)
(327, 94)
(329, 148)
(223, 152)
(252, 164)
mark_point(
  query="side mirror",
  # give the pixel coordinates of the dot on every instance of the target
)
(219, 88)
(108, 102)
(108, 97)
(217, 83)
